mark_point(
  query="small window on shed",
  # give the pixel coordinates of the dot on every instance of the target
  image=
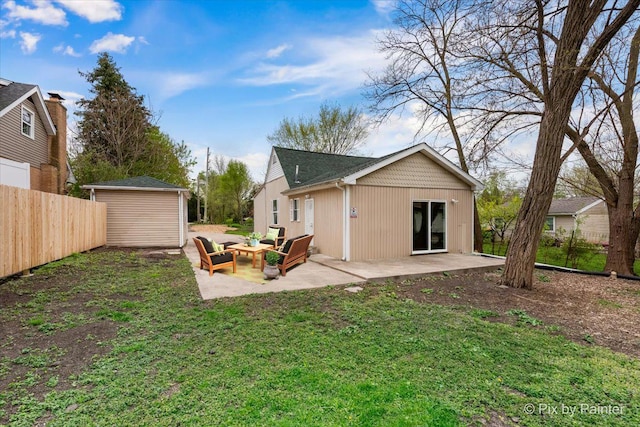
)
(27, 122)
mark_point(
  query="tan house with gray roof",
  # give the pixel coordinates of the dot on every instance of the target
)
(587, 214)
(410, 202)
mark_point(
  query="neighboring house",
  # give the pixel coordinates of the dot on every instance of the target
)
(143, 212)
(413, 201)
(33, 138)
(588, 214)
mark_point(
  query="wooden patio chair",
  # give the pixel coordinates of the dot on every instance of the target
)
(213, 260)
(294, 251)
(282, 234)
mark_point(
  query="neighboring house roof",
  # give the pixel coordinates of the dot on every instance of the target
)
(321, 168)
(572, 205)
(136, 183)
(13, 94)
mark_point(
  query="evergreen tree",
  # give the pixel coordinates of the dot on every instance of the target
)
(116, 137)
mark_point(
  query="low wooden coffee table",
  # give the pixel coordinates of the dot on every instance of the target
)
(255, 250)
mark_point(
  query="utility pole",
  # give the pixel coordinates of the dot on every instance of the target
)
(199, 215)
(206, 186)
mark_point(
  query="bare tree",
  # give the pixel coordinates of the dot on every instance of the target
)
(424, 71)
(540, 57)
(334, 130)
(608, 143)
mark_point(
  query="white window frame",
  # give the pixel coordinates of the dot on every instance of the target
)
(294, 210)
(32, 125)
(274, 211)
(553, 229)
(446, 227)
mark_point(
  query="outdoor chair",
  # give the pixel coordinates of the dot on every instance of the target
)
(293, 251)
(214, 260)
(282, 232)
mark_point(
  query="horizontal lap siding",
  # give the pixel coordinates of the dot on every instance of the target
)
(19, 148)
(141, 218)
(37, 228)
(383, 228)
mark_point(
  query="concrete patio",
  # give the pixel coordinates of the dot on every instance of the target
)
(321, 270)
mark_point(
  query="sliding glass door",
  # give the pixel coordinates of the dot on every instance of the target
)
(429, 226)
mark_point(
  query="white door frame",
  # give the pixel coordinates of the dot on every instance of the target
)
(309, 209)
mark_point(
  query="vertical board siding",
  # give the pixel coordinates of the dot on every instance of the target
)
(19, 148)
(383, 228)
(141, 218)
(328, 221)
(37, 228)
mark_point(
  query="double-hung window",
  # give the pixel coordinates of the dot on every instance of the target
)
(27, 122)
(294, 210)
(550, 224)
(274, 210)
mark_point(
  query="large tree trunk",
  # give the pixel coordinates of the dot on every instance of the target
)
(477, 229)
(623, 230)
(521, 254)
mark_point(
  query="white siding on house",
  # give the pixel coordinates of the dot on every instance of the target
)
(275, 168)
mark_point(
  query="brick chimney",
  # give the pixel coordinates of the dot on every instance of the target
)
(58, 151)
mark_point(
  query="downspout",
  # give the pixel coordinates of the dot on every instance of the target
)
(345, 221)
(473, 222)
(180, 219)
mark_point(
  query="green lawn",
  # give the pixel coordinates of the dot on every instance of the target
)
(555, 256)
(321, 357)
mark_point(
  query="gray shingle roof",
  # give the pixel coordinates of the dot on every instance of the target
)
(570, 205)
(12, 92)
(138, 181)
(314, 167)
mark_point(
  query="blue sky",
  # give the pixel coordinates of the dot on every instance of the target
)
(218, 74)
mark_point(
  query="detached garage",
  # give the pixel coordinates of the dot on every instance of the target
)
(143, 212)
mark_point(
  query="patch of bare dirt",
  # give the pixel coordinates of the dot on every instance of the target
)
(39, 350)
(586, 309)
(209, 228)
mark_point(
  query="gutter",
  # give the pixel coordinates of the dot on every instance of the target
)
(345, 222)
(115, 187)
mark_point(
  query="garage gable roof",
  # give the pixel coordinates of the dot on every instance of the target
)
(140, 183)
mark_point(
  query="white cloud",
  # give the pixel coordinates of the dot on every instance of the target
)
(112, 43)
(66, 50)
(43, 12)
(94, 10)
(173, 84)
(384, 7)
(29, 42)
(11, 34)
(338, 65)
(277, 51)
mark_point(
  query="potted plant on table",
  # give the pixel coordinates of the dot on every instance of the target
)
(254, 238)
(271, 270)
